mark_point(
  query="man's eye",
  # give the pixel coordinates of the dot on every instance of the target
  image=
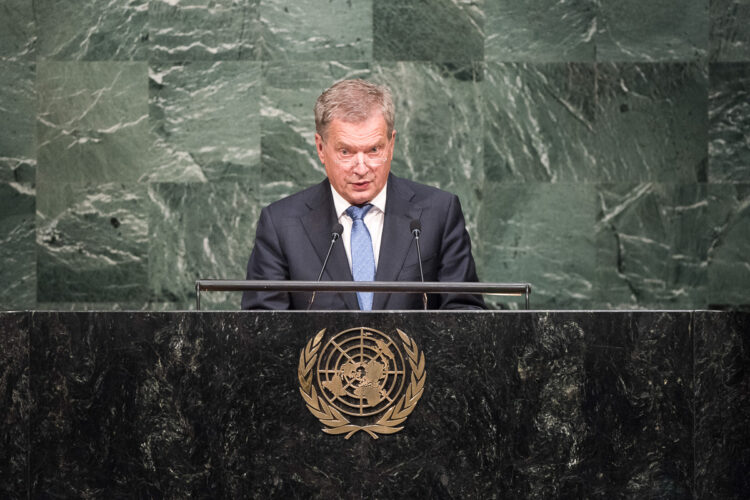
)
(375, 150)
(345, 152)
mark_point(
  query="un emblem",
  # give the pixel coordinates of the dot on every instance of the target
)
(361, 380)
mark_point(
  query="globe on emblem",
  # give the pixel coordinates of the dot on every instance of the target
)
(361, 371)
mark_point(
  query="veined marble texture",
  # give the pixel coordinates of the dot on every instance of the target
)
(652, 245)
(437, 30)
(205, 116)
(518, 244)
(729, 119)
(540, 30)
(588, 30)
(651, 122)
(200, 231)
(92, 242)
(316, 30)
(592, 122)
(652, 30)
(92, 122)
(18, 106)
(730, 30)
(729, 250)
(17, 247)
(17, 30)
(182, 30)
(540, 123)
(93, 30)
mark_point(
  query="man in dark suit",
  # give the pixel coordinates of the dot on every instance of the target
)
(354, 140)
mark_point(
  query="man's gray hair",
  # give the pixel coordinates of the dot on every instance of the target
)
(353, 101)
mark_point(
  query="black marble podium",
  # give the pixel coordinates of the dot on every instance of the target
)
(517, 405)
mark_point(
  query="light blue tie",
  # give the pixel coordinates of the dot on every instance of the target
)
(363, 259)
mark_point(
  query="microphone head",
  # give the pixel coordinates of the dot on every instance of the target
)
(415, 225)
(336, 231)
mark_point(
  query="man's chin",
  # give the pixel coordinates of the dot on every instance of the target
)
(360, 194)
(358, 200)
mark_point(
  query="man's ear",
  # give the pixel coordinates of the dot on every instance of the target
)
(319, 148)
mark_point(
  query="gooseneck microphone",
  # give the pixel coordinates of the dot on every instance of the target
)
(335, 236)
(416, 230)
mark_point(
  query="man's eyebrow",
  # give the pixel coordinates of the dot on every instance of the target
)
(340, 144)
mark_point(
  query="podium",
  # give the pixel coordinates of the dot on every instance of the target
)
(529, 404)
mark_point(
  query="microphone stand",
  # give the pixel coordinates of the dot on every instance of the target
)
(416, 230)
(335, 235)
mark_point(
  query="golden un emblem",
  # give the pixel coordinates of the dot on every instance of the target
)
(361, 380)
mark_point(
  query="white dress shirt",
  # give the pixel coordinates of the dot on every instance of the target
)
(374, 220)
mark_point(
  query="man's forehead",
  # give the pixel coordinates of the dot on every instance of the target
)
(375, 117)
(372, 129)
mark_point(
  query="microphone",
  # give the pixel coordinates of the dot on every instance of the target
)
(416, 230)
(335, 236)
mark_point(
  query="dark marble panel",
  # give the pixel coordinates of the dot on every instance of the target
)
(205, 116)
(539, 233)
(652, 242)
(17, 246)
(87, 381)
(287, 120)
(17, 31)
(437, 118)
(139, 406)
(730, 30)
(647, 30)
(328, 30)
(17, 139)
(537, 413)
(144, 305)
(729, 123)
(638, 405)
(728, 267)
(438, 30)
(92, 243)
(200, 231)
(92, 31)
(204, 30)
(722, 405)
(92, 123)
(652, 122)
(539, 123)
(515, 406)
(501, 413)
(15, 405)
(540, 30)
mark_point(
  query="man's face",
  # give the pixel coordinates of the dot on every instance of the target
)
(357, 157)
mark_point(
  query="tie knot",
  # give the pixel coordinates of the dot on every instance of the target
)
(358, 213)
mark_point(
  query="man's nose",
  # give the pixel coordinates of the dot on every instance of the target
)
(359, 164)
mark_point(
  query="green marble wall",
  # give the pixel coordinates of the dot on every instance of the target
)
(601, 150)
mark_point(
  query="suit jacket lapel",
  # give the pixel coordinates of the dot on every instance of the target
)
(396, 239)
(317, 224)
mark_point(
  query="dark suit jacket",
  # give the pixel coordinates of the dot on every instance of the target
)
(294, 233)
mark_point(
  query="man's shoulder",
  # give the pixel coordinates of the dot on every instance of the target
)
(301, 200)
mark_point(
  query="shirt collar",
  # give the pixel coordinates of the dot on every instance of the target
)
(340, 204)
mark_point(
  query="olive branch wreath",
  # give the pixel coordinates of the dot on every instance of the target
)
(334, 420)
